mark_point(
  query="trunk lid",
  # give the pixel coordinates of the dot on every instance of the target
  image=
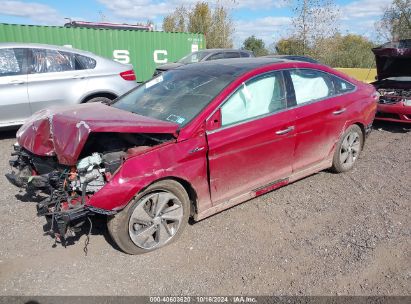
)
(63, 132)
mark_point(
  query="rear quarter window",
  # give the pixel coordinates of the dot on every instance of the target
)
(342, 86)
(85, 63)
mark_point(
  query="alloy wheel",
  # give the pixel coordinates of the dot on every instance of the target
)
(350, 149)
(155, 220)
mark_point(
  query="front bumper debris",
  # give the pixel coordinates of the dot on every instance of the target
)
(67, 191)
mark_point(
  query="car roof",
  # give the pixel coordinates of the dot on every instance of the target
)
(234, 66)
(223, 50)
(293, 57)
(44, 46)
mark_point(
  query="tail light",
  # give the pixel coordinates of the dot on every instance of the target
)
(128, 75)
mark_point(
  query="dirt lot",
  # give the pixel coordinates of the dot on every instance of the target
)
(325, 235)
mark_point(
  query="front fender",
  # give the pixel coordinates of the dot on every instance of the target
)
(182, 160)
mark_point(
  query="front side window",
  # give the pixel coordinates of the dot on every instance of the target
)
(49, 61)
(193, 57)
(311, 85)
(11, 62)
(257, 97)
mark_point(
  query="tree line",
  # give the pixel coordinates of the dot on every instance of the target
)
(314, 30)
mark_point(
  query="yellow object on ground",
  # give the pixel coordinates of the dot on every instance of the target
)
(366, 75)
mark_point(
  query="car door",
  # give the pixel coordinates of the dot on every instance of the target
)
(320, 116)
(253, 146)
(55, 78)
(14, 102)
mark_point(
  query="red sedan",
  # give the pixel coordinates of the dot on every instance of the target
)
(190, 143)
(393, 61)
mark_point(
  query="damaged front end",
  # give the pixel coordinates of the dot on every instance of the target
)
(67, 188)
(68, 172)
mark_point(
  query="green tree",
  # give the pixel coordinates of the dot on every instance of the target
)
(199, 19)
(349, 51)
(313, 21)
(257, 46)
(215, 23)
(395, 24)
(176, 21)
(291, 46)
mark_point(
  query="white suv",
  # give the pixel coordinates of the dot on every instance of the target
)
(36, 76)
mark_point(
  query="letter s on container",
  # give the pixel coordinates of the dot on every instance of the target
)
(122, 56)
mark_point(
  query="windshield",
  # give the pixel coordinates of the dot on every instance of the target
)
(176, 96)
(193, 57)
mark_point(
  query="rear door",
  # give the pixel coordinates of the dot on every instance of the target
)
(321, 112)
(254, 144)
(14, 102)
(55, 78)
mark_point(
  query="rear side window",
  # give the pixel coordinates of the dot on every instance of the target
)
(342, 86)
(11, 62)
(232, 55)
(245, 54)
(85, 63)
(216, 56)
(311, 85)
(49, 61)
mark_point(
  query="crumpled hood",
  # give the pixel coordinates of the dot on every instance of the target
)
(393, 59)
(64, 131)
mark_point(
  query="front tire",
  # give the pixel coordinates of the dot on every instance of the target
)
(153, 219)
(348, 149)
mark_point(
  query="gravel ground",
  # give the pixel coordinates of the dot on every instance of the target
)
(327, 234)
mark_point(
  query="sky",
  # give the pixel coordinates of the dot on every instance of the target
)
(266, 19)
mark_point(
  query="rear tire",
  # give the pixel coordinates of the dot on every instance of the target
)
(153, 219)
(348, 149)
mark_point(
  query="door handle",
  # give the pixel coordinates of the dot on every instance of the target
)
(16, 82)
(338, 112)
(196, 150)
(79, 77)
(285, 131)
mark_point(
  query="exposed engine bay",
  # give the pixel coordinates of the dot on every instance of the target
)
(69, 188)
(391, 96)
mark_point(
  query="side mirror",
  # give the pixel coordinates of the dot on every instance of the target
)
(214, 122)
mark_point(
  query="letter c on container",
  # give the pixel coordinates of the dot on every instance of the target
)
(156, 56)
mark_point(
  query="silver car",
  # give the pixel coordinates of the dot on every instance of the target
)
(37, 76)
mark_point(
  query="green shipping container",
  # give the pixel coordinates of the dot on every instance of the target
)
(143, 49)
